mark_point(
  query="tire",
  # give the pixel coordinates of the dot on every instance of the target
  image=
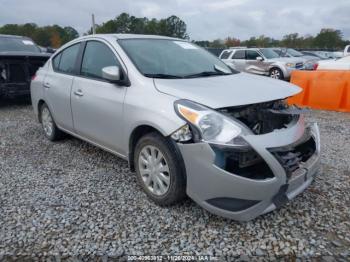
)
(276, 73)
(166, 184)
(51, 131)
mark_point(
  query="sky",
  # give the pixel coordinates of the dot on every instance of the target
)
(205, 19)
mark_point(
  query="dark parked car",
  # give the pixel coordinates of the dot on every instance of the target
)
(20, 58)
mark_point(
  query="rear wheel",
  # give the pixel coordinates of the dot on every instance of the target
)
(276, 73)
(159, 169)
(51, 131)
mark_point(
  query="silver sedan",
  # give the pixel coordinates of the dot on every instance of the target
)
(186, 123)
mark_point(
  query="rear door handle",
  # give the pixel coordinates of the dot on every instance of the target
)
(78, 92)
(47, 85)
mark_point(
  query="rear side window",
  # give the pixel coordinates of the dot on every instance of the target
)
(56, 61)
(252, 55)
(97, 55)
(239, 54)
(225, 54)
(65, 61)
(348, 50)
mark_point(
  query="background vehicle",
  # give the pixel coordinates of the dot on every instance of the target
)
(48, 49)
(185, 121)
(20, 58)
(330, 54)
(260, 61)
(347, 50)
(340, 64)
(310, 62)
(315, 54)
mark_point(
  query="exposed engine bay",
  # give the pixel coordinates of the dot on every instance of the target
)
(265, 117)
(16, 72)
(261, 119)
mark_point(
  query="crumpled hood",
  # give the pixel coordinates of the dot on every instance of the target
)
(225, 91)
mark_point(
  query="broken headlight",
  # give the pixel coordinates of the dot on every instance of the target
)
(211, 126)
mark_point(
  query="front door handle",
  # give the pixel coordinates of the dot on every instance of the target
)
(47, 85)
(78, 92)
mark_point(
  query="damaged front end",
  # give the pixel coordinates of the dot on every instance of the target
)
(272, 158)
(262, 119)
(16, 72)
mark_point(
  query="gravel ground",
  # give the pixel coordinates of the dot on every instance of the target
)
(70, 198)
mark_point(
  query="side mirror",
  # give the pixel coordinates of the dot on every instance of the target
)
(259, 58)
(111, 73)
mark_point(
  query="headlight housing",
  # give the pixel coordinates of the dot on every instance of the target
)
(212, 126)
(290, 65)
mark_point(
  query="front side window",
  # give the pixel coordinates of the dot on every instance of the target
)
(97, 55)
(56, 61)
(252, 55)
(67, 59)
(269, 53)
(278, 51)
(239, 54)
(225, 54)
(163, 58)
(293, 52)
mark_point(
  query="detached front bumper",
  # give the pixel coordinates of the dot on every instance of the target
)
(234, 196)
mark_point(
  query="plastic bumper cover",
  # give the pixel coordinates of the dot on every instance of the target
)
(207, 181)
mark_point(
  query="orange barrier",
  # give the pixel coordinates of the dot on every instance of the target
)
(328, 90)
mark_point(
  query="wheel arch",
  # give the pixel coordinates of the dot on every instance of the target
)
(135, 135)
(39, 105)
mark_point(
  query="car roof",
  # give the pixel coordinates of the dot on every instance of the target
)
(14, 36)
(243, 48)
(129, 36)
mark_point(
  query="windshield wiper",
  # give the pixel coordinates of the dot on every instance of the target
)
(165, 76)
(218, 71)
(207, 73)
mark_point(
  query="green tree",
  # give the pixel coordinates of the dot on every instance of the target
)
(53, 35)
(217, 43)
(124, 23)
(329, 38)
(290, 40)
(176, 27)
(232, 41)
(42, 37)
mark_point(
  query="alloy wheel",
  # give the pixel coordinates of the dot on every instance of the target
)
(276, 74)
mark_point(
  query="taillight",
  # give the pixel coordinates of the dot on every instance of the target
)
(33, 77)
(315, 66)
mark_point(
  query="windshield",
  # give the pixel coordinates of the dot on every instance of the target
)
(269, 53)
(9, 44)
(163, 58)
(294, 53)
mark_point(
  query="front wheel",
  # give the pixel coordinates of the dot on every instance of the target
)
(276, 73)
(159, 168)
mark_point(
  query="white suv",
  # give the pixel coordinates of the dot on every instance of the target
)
(261, 61)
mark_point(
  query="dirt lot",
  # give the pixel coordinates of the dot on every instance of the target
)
(70, 198)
